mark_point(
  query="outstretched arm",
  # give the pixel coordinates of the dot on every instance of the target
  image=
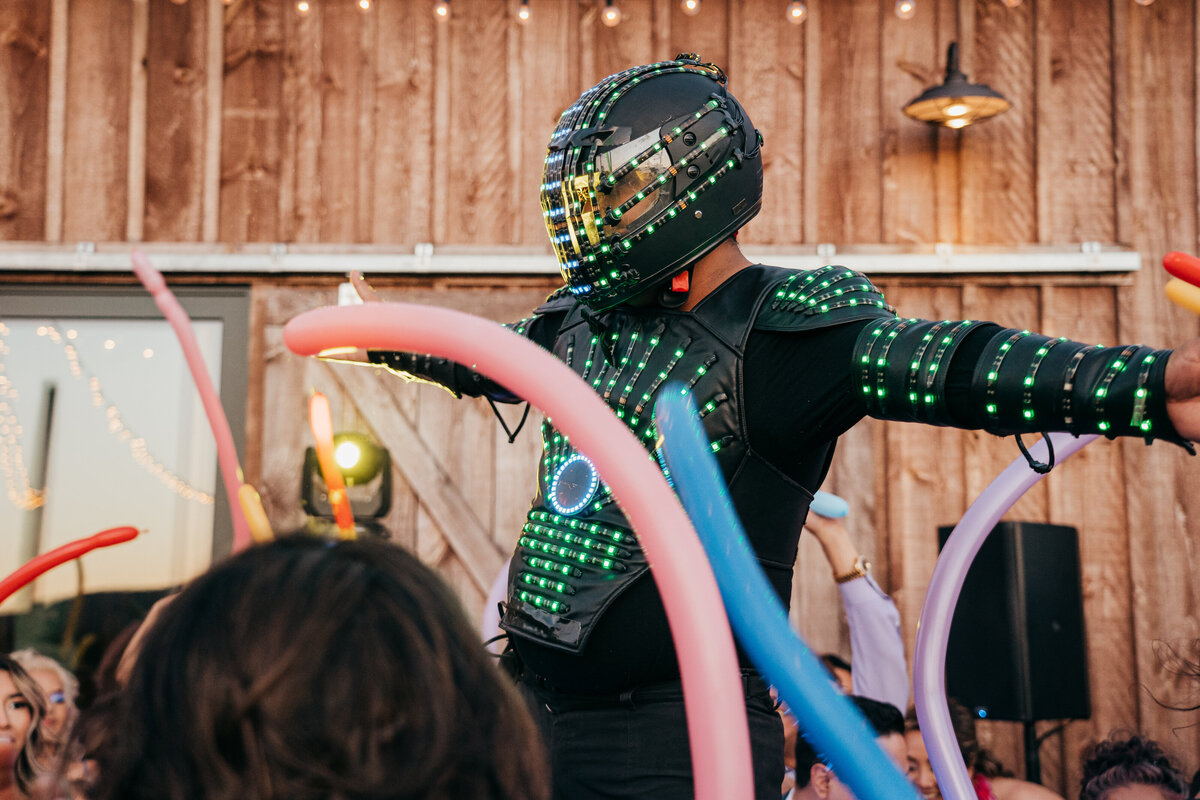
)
(1008, 381)
(461, 380)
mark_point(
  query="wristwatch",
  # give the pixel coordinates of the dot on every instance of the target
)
(859, 570)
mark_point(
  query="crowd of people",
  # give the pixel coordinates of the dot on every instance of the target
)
(311, 668)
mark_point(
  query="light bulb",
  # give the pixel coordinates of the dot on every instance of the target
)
(302, 8)
(347, 455)
(690, 7)
(1013, 3)
(441, 10)
(611, 16)
(523, 12)
(797, 12)
(957, 122)
(955, 109)
(364, 5)
(906, 9)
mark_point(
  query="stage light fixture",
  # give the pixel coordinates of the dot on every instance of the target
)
(367, 473)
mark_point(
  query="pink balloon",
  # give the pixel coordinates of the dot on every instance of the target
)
(231, 473)
(933, 629)
(716, 711)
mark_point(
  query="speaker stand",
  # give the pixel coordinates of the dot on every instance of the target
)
(1033, 761)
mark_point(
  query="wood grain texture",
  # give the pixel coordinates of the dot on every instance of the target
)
(252, 194)
(704, 33)
(909, 49)
(766, 75)
(1073, 97)
(478, 174)
(95, 194)
(404, 137)
(24, 98)
(997, 167)
(176, 83)
(849, 191)
(339, 72)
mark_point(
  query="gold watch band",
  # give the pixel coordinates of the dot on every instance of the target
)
(859, 570)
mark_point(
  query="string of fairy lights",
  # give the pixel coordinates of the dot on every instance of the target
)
(795, 11)
(12, 455)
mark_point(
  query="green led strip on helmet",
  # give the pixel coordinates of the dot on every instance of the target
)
(649, 190)
(620, 172)
(672, 211)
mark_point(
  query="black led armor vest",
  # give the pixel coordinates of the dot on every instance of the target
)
(577, 552)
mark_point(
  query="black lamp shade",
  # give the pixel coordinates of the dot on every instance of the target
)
(956, 103)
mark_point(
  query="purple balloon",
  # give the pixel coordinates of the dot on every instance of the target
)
(933, 630)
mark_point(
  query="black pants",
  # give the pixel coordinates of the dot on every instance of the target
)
(635, 745)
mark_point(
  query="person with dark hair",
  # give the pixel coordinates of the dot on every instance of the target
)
(839, 670)
(310, 669)
(648, 177)
(1130, 768)
(988, 776)
(24, 708)
(815, 780)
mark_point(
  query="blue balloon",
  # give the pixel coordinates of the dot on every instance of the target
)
(829, 505)
(831, 723)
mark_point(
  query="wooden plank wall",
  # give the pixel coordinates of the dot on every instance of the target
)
(207, 122)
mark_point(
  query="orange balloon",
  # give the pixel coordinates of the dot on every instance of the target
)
(321, 422)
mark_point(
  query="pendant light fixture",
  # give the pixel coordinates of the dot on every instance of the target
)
(956, 103)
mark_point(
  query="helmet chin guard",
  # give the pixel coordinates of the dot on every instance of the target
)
(646, 172)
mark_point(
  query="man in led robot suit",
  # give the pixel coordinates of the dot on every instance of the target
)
(648, 177)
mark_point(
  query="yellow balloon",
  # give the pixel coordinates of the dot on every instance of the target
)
(256, 518)
(1184, 295)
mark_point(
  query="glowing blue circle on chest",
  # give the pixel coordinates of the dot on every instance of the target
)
(573, 485)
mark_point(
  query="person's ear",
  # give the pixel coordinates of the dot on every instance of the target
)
(820, 777)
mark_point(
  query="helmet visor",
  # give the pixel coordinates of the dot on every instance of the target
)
(639, 193)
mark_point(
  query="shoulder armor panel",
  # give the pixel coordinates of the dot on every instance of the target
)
(560, 299)
(820, 298)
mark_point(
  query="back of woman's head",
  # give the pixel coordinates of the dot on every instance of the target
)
(312, 669)
(1133, 760)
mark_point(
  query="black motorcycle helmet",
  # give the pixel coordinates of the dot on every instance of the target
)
(648, 171)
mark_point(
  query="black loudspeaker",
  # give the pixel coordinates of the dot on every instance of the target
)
(1017, 648)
